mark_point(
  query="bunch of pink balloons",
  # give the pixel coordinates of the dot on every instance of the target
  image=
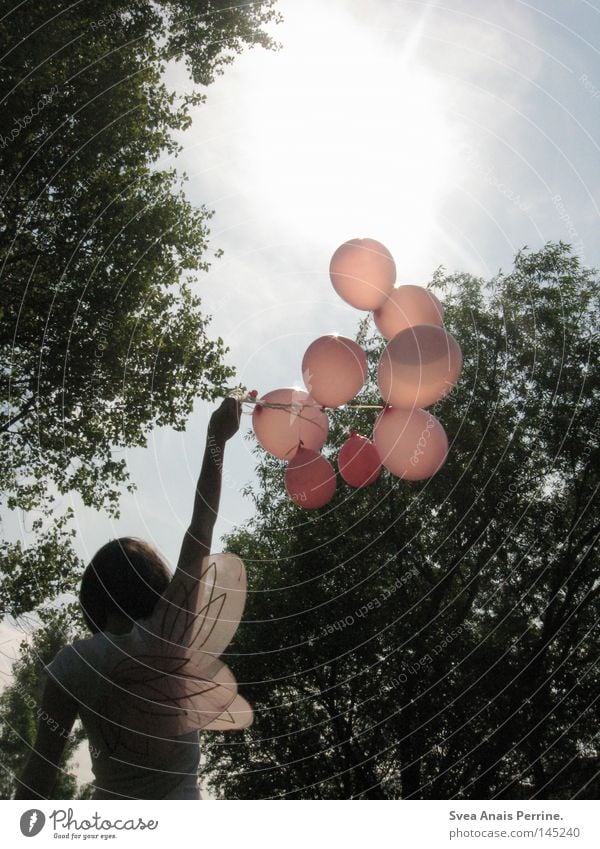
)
(418, 367)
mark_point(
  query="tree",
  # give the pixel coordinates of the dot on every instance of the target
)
(19, 711)
(435, 639)
(102, 335)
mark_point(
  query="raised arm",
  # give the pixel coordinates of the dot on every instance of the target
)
(176, 672)
(224, 423)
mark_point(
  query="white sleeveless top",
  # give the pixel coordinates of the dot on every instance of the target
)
(140, 766)
(144, 695)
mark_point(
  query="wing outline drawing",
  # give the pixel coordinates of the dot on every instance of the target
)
(171, 679)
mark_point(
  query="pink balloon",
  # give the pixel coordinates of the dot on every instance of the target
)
(419, 366)
(363, 273)
(405, 307)
(281, 431)
(412, 444)
(310, 479)
(358, 461)
(334, 370)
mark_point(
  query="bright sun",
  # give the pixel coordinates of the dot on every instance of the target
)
(347, 136)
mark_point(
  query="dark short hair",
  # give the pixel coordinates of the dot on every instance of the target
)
(125, 576)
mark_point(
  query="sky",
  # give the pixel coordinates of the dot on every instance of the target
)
(454, 132)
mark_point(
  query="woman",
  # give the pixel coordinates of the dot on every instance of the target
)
(150, 676)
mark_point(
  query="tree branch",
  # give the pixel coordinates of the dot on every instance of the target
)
(26, 409)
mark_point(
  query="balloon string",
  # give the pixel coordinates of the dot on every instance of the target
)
(365, 406)
(294, 408)
(251, 398)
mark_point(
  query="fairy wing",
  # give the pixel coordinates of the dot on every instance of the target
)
(171, 679)
(238, 715)
(201, 615)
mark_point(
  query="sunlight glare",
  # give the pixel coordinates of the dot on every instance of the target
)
(348, 137)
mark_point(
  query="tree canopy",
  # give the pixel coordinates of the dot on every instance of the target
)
(439, 639)
(20, 712)
(102, 333)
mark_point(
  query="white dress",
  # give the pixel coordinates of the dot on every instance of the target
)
(144, 695)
